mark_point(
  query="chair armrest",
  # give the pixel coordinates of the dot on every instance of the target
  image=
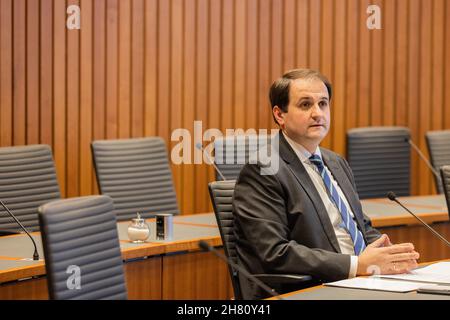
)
(283, 279)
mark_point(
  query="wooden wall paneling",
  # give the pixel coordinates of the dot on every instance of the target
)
(214, 74)
(6, 73)
(401, 63)
(99, 74)
(302, 33)
(425, 87)
(277, 31)
(413, 84)
(436, 108)
(163, 46)
(144, 279)
(390, 72)
(59, 93)
(125, 48)
(227, 65)
(290, 23)
(264, 57)
(187, 198)
(19, 72)
(32, 72)
(376, 92)
(352, 62)
(250, 105)
(151, 67)
(137, 68)
(201, 93)
(197, 275)
(73, 109)
(327, 53)
(364, 66)
(176, 84)
(339, 105)
(117, 76)
(447, 67)
(315, 21)
(112, 70)
(240, 74)
(46, 72)
(86, 109)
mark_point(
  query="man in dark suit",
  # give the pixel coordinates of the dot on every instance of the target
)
(303, 216)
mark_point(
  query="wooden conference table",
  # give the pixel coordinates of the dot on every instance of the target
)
(178, 270)
(322, 292)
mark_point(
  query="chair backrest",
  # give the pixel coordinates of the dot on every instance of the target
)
(27, 180)
(380, 160)
(81, 248)
(136, 174)
(232, 152)
(445, 175)
(221, 193)
(438, 143)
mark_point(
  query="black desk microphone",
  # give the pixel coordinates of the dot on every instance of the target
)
(393, 197)
(35, 254)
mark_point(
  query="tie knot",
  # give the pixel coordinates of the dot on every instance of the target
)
(317, 161)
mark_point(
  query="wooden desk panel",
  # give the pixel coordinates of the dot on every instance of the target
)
(144, 278)
(429, 247)
(197, 275)
(32, 289)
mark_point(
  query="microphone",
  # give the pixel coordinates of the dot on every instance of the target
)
(422, 156)
(200, 147)
(393, 197)
(206, 247)
(35, 254)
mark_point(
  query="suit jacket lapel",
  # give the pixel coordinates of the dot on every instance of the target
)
(345, 185)
(299, 171)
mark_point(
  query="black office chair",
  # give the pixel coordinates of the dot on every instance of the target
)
(136, 174)
(232, 152)
(438, 143)
(445, 175)
(82, 250)
(380, 160)
(27, 180)
(221, 193)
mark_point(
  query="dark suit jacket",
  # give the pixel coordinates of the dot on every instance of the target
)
(282, 226)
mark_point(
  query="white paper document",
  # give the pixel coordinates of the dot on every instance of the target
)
(434, 273)
(376, 283)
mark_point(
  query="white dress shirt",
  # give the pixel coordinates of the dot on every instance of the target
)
(344, 239)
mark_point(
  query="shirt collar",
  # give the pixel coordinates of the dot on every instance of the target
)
(302, 153)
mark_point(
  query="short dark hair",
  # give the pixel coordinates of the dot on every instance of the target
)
(279, 91)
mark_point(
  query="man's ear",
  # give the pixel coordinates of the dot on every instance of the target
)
(278, 114)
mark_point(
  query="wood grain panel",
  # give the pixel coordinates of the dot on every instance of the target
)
(198, 275)
(86, 98)
(147, 67)
(73, 109)
(143, 279)
(429, 247)
(34, 289)
(46, 73)
(6, 73)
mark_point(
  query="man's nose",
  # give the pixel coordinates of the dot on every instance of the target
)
(316, 111)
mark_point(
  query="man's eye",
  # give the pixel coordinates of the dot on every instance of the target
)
(305, 104)
(323, 103)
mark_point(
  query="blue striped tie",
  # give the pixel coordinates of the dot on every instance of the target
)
(348, 222)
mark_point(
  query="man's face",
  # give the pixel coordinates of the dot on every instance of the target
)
(307, 119)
